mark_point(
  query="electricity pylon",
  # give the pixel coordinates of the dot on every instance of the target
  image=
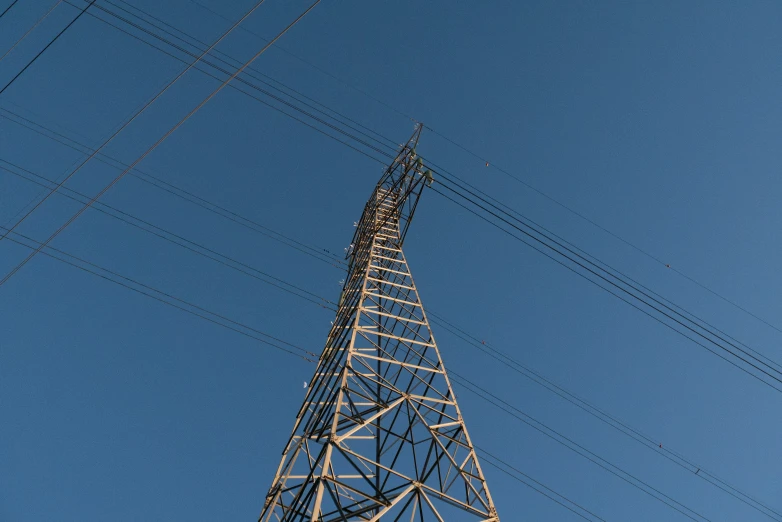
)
(380, 435)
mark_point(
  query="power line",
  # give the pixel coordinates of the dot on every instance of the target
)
(577, 448)
(30, 30)
(609, 232)
(319, 253)
(648, 442)
(697, 333)
(158, 295)
(84, 10)
(115, 134)
(507, 173)
(599, 414)
(681, 320)
(310, 64)
(8, 8)
(115, 273)
(720, 481)
(241, 79)
(177, 239)
(238, 79)
(517, 474)
(741, 350)
(252, 72)
(592, 260)
(439, 320)
(168, 133)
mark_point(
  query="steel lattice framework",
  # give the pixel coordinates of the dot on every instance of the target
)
(380, 435)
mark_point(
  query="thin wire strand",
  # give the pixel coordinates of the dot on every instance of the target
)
(184, 303)
(7, 85)
(600, 265)
(178, 240)
(242, 80)
(310, 64)
(648, 442)
(709, 325)
(166, 135)
(252, 72)
(507, 173)
(155, 181)
(584, 263)
(515, 475)
(750, 363)
(250, 84)
(114, 135)
(201, 309)
(229, 320)
(576, 448)
(8, 8)
(30, 30)
(562, 263)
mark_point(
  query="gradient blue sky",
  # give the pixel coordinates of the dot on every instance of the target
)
(661, 121)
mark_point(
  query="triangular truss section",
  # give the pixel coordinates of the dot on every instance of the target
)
(380, 435)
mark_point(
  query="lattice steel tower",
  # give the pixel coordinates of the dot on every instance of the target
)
(380, 435)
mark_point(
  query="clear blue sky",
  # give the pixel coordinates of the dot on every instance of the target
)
(661, 121)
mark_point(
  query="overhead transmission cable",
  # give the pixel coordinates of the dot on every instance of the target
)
(592, 260)
(550, 248)
(712, 333)
(380, 160)
(520, 476)
(252, 72)
(242, 79)
(161, 296)
(321, 254)
(97, 208)
(576, 448)
(239, 89)
(171, 237)
(169, 132)
(323, 302)
(509, 211)
(8, 8)
(31, 29)
(119, 130)
(223, 70)
(364, 142)
(312, 65)
(215, 318)
(494, 165)
(597, 225)
(621, 426)
(84, 10)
